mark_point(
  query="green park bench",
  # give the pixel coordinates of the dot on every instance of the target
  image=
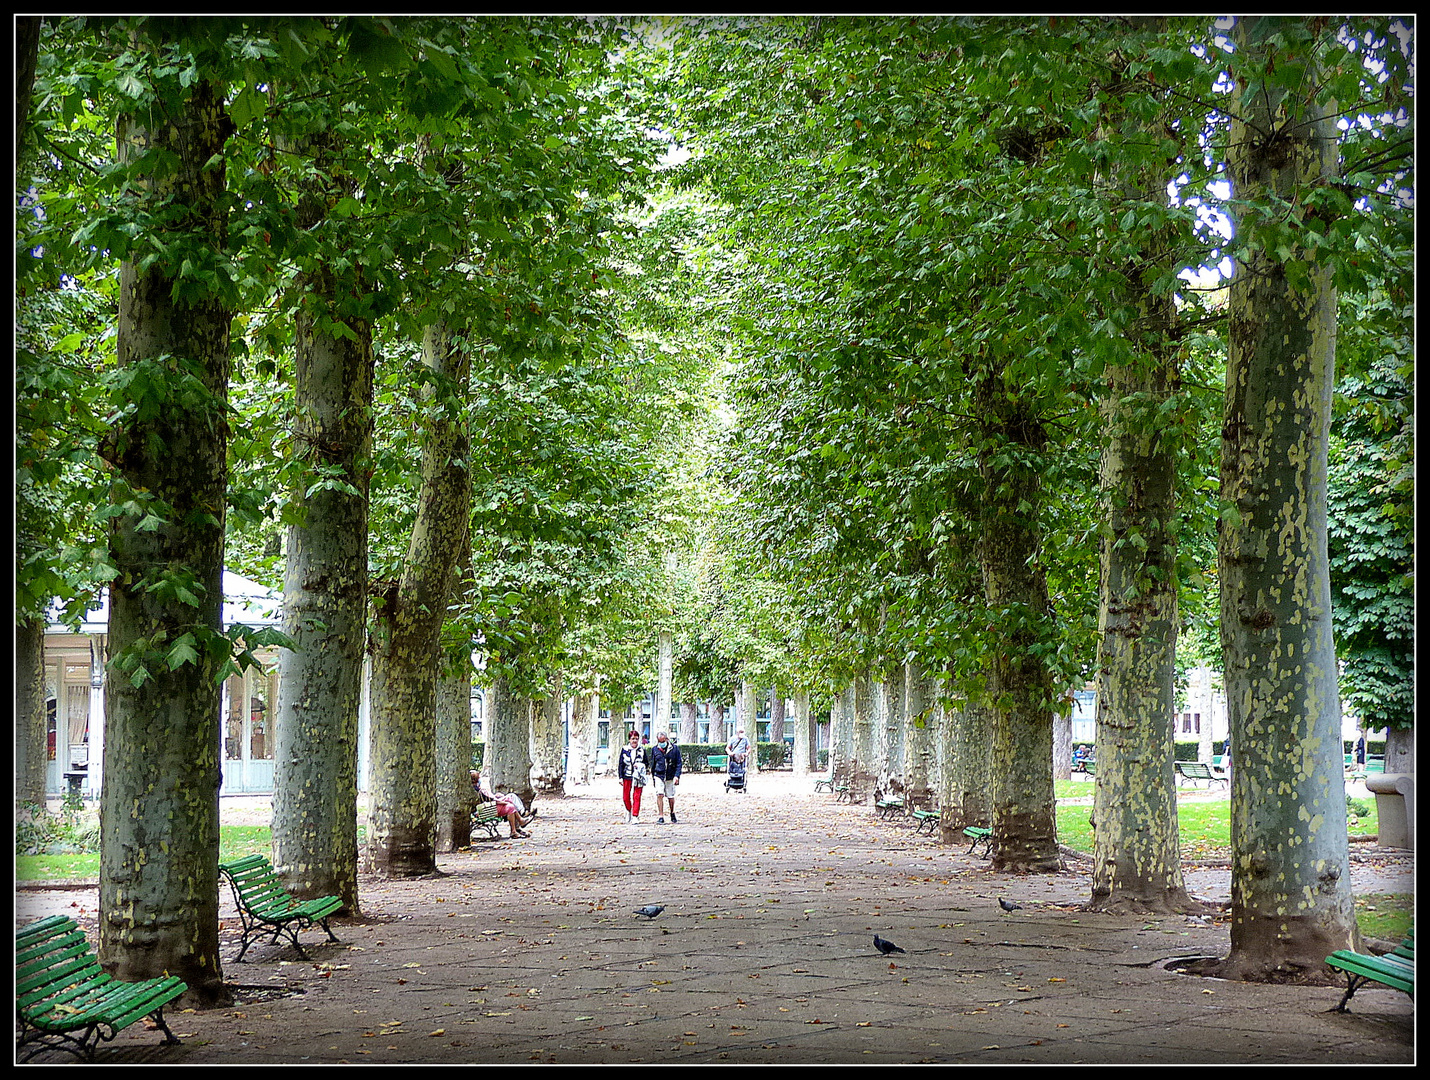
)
(889, 806)
(66, 1001)
(1197, 771)
(1395, 969)
(926, 817)
(265, 906)
(980, 837)
(824, 783)
(718, 763)
(485, 816)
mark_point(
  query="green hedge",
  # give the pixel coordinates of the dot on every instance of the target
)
(695, 757)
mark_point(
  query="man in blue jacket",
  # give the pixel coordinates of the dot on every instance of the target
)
(665, 774)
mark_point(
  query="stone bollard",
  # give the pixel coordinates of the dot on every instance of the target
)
(1394, 807)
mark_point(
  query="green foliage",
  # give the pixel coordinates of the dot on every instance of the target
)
(732, 397)
(38, 832)
(1371, 540)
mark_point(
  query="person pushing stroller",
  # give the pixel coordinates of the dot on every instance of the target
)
(738, 750)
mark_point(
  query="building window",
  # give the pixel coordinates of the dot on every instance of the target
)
(252, 700)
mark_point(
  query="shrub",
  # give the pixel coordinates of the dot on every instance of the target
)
(38, 832)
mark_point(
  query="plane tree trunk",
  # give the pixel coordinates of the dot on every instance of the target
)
(1020, 682)
(315, 847)
(1291, 895)
(158, 873)
(409, 615)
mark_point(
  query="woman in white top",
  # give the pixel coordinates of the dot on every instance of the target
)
(631, 771)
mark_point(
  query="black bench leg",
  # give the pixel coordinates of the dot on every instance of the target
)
(1353, 983)
(293, 937)
(158, 1017)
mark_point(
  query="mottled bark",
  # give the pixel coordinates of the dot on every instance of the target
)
(1062, 743)
(1400, 750)
(325, 583)
(777, 715)
(402, 830)
(31, 753)
(968, 750)
(921, 752)
(1291, 891)
(717, 725)
(509, 740)
(804, 754)
(158, 874)
(582, 757)
(1137, 858)
(689, 723)
(548, 774)
(1020, 683)
(841, 732)
(892, 765)
(861, 774)
(749, 706)
(455, 798)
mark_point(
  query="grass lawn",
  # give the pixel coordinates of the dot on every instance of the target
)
(1205, 824)
(234, 841)
(1385, 915)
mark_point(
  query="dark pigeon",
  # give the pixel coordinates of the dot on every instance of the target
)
(650, 911)
(885, 947)
(1008, 905)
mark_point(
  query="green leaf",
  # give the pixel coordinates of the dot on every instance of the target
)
(250, 104)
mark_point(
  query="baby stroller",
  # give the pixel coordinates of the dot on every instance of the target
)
(736, 780)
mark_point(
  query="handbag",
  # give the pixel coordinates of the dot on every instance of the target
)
(638, 773)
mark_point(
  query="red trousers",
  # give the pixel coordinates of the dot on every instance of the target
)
(632, 795)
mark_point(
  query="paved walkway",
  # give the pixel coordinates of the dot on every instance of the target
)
(529, 951)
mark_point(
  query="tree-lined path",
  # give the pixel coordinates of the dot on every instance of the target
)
(529, 951)
(931, 374)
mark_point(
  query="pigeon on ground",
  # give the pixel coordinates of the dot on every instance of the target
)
(1008, 905)
(650, 911)
(885, 947)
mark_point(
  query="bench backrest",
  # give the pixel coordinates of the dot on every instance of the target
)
(1406, 948)
(256, 884)
(53, 955)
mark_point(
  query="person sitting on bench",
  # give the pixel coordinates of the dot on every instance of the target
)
(509, 806)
